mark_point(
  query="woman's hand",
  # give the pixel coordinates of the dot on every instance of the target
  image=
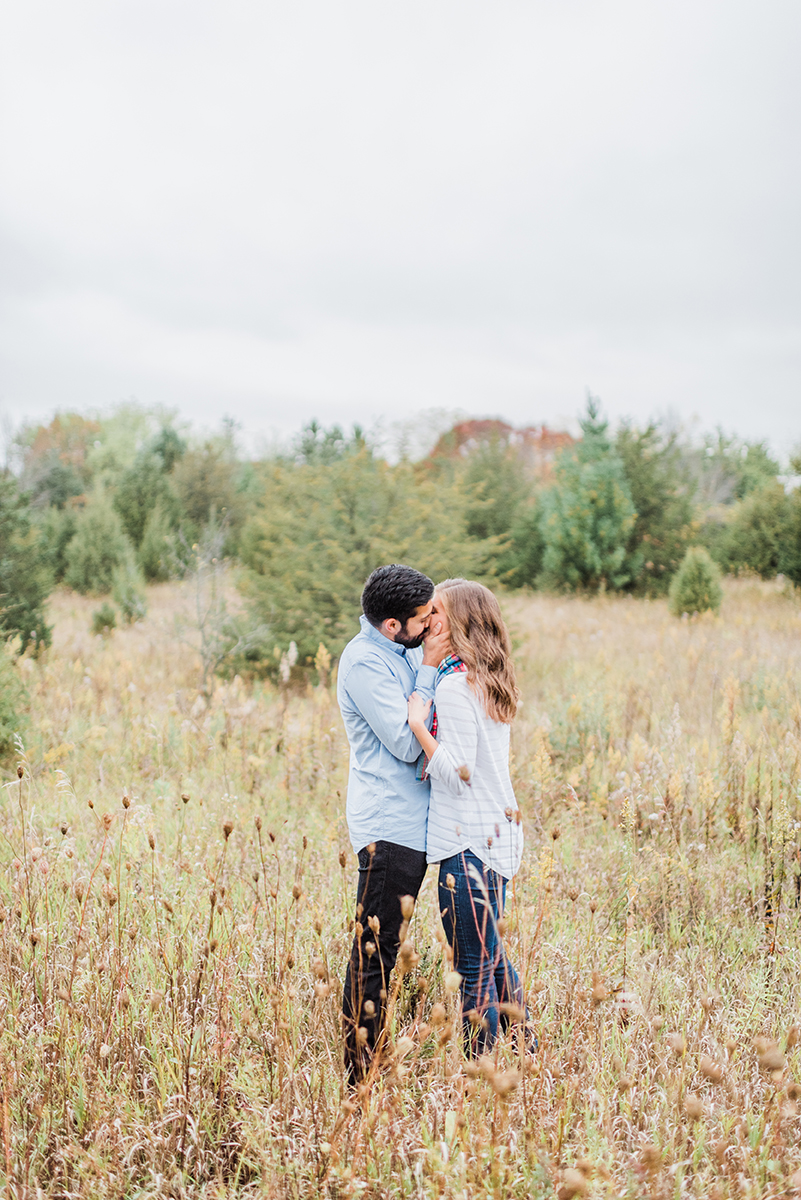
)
(418, 711)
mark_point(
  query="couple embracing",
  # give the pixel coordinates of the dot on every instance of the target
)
(427, 693)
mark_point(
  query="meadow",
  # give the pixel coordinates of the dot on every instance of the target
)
(176, 891)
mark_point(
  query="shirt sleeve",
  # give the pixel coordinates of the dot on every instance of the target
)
(424, 685)
(381, 699)
(458, 744)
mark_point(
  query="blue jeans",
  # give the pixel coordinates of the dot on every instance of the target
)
(471, 909)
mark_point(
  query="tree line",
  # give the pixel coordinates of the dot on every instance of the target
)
(104, 505)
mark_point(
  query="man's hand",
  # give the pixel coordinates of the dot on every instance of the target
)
(436, 646)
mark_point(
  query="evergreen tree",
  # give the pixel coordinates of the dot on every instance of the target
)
(144, 487)
(98, 547)
(695, 588)
(662, 491)
(790, 561)
(324, 521)
(501, 507)
(756, 534)
(25, 575)
(157, 556)
(588, 515)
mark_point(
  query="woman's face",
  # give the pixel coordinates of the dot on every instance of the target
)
(440, 614)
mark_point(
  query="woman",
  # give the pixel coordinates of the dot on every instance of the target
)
(474, 828)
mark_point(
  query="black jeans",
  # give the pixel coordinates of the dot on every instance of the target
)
(386, 873)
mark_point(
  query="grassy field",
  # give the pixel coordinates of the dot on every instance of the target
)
(176, 888)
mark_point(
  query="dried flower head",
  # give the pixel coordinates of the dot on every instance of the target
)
(228, 828)
(438, 1015)
(677, 1043)
(711, 1070)
(574, 1183)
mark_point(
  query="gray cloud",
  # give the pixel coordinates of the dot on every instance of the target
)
(350, 210)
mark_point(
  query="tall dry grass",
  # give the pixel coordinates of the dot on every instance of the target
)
(176, 890)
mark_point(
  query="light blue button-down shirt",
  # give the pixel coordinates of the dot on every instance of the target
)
(386, 802)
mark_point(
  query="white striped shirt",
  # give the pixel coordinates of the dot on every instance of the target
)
(478, 814)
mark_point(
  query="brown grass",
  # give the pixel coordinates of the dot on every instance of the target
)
(176, 924)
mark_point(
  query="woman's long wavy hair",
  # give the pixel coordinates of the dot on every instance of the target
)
(480, 637)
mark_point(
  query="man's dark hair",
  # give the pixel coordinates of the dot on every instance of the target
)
(395, 592)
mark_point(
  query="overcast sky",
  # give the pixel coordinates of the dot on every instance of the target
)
(353, 210)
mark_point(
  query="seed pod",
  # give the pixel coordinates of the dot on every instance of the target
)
(228, 828)
(407, 907)
(710, 1069)
(772, 1060)
(574, 1183)
(438, 1015)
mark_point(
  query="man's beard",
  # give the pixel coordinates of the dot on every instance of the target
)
(403, 639)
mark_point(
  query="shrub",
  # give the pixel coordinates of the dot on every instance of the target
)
(658, 476)
(143, 487)
(157, 551)
(25, 575)
(696, 585)
(56, 531)
(13, 702)
(790, 562)
(128, 589)
(99, 545)
(323, 525)
(104, 619)
(757, 531)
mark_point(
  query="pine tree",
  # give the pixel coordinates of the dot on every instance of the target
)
(588, 515)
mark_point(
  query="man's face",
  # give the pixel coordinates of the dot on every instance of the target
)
(413, 633)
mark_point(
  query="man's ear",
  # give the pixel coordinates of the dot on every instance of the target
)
(391, 627)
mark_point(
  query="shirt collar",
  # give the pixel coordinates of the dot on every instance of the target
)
(376, 636)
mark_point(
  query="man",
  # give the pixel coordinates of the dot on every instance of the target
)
(387, 806)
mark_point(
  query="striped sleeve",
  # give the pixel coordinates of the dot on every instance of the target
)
(456, 713)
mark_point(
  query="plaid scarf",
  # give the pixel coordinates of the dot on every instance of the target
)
(448, 666)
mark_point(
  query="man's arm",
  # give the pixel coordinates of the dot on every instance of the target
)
(381, 700)
(436, 647)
